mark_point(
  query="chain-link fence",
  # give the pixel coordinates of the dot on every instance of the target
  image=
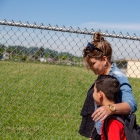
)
(43, 83)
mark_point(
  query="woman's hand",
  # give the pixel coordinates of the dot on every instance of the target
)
(101, 113)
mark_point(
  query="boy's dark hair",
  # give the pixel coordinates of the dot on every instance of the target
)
(109, 85)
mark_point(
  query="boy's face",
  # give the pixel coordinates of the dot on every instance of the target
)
(96, 96)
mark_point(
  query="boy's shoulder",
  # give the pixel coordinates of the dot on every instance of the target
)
(130, 129)
(113, 129)
(114, 124)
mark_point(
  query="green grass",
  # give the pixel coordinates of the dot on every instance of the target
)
(39, 101)
(43, 102)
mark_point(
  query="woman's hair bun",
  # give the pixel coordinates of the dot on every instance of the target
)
(98, 37)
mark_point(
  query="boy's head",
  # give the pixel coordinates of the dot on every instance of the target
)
(108, 86)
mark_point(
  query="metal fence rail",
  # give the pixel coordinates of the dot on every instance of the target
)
(43, 83)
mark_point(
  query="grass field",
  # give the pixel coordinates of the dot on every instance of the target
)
(43, 102)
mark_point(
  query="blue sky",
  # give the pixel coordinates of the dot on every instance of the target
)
(119, 16)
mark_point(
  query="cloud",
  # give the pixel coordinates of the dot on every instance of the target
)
(113, 26)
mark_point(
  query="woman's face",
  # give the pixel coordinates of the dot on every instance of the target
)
(97, 66)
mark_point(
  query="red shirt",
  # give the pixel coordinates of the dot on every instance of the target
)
(115, 131)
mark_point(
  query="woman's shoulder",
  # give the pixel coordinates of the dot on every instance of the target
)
(116, 72)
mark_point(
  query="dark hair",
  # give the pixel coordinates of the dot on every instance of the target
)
(109, 85)
(100, 43)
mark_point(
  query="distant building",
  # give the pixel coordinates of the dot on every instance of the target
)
(133, 68)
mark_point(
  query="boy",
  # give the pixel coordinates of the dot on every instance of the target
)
(106, 90)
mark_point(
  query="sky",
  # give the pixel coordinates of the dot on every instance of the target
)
(118, 16)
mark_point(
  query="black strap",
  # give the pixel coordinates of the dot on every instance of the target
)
(125, 84)
(132, 121)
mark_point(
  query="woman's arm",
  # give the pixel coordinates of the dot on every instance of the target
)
(102, 112)
(122, 108)
(127, 97)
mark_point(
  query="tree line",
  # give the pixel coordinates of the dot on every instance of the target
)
(23, 53)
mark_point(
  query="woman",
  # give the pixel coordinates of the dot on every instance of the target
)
(97, 57)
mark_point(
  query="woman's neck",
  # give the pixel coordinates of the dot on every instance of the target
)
(106, 72)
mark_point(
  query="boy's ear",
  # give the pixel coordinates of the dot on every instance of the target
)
(101, 94)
